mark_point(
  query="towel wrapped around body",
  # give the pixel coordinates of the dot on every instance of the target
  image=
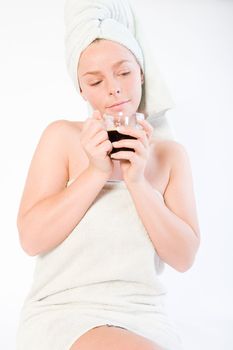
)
(105, 272)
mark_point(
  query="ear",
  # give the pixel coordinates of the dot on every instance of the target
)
(81, 93)
(142, 77)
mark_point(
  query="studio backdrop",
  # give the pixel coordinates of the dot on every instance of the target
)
(192, 42)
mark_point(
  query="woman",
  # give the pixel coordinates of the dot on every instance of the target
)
(101, 244)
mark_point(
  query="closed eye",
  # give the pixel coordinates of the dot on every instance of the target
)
(98, 82)
(125, 73)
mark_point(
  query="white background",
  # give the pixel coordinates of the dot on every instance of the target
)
(193, 45)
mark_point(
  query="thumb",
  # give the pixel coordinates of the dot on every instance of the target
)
(97, 115)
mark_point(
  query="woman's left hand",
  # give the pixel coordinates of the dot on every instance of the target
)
(133, 164)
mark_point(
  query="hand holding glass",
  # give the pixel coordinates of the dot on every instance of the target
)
(113, 122)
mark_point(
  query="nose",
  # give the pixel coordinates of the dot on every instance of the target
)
(115, 92)
(114, 88)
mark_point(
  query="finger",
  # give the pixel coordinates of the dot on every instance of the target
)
(147, 127)
(140, 135)
(137, 146)
(99, 137)
(125, 155)
(105, 147)
(91, 127)
(95, 116)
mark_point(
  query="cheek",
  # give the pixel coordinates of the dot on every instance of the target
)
(135, 86)
(93, 94)
(96, 98)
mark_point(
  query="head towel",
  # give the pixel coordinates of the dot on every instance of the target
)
(87, 20)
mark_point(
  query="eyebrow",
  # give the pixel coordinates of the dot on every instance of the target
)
(114, 65)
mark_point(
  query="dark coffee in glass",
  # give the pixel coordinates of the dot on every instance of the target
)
(112, 122)
(114, 136)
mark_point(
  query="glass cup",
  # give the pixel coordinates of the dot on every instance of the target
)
(112, 122)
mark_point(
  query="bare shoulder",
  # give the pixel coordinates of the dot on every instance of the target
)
(53, 132)
(177, 159)
(58, 135)
(64, 133)
(168, 153)
(62, 127)
(63, 137)
(170, 149)
(49, 168)
(56, 125)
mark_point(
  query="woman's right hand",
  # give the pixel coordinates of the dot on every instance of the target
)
(96, 144)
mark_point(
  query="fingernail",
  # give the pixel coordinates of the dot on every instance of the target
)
(140, 116)
(120, 128)
(97, 114)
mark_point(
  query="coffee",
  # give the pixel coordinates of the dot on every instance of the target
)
(114, 136)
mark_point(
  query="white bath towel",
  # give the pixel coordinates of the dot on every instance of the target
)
(86, 20)
(105, 272)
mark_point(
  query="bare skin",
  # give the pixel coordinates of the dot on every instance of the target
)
(105, 338)
(49, 212)
(160, 163)
(108, 74)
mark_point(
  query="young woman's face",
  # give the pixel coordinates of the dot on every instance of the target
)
(109, 74)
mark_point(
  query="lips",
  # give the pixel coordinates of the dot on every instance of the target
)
(118, 104)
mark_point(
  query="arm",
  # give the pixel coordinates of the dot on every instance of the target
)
(173, 225)
(48, 210)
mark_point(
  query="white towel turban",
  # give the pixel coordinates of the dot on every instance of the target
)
(87, 20)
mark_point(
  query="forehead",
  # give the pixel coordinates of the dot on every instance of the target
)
(104, 53)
